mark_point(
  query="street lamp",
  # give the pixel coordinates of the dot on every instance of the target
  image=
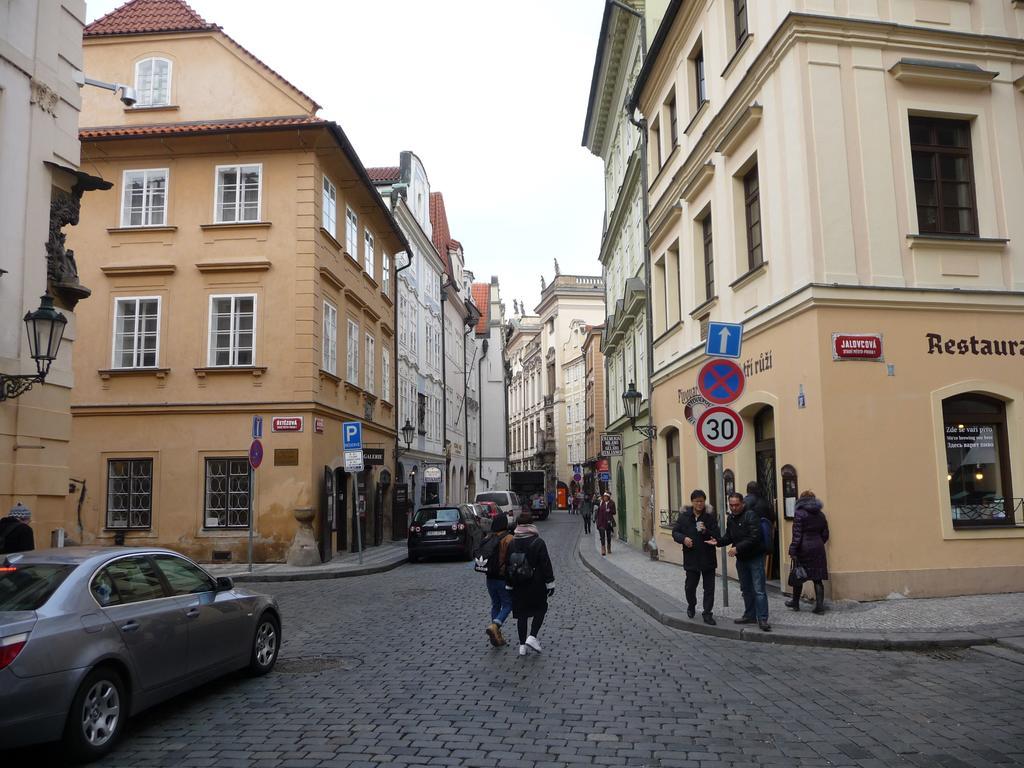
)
(631, 403)
(45, 329)
(408, 431)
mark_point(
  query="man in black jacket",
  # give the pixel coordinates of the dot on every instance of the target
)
(694, 526)
(15, 533)
(743, 537)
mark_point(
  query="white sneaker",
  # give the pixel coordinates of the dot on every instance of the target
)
(534, 643)
(522, 650)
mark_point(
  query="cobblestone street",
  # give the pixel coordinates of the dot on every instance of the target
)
(395, 669)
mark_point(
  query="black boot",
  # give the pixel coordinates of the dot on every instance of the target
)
(819, 598)
(795, 602)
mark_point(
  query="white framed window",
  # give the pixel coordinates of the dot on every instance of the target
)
(371, 364)
(368, 251)
(239, 189)
(385, 374)
(385, 274)
(352, 353)
(329, 215)
(153, 82)
(136, 332)
(144, 203)
(351, 233)
(232, 330)
(330, 338)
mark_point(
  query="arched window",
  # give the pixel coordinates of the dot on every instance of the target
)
(977, 460)
(153, 82)
(675, 496)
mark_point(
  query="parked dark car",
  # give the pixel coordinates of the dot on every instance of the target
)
(89, 637)
(443, 531)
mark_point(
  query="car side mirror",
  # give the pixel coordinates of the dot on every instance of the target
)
(224, 583)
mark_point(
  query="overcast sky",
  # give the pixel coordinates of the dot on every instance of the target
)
(490, 94)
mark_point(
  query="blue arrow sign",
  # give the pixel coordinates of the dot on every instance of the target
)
(257, 427)
(352, 435)
(724, 340)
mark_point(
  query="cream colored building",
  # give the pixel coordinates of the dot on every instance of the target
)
(574, 388)
(845, 180)
(40, 54)
(243, 266)
(593, 362)
(527, 428)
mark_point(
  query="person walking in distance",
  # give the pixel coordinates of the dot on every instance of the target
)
(695, 525)
(15, 533)
(743, 537)
(810, 533)
(530, 577)
(586, 511)
(606, 522)
(492, 559)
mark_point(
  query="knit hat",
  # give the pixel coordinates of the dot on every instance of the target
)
(20, 512)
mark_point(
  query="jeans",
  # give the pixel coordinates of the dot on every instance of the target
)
(752, 585)
(534, 626)
(707, 575)
(586, 523)
(501, 600)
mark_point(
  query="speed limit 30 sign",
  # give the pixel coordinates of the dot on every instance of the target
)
(719, 429)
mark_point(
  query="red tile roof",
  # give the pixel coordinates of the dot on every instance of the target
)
(212, 126)
(140, 17)
(482, 299)
(383, 174)
(148, 16)
(442, 234)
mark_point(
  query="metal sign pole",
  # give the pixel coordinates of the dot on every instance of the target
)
(252, 512)
(359, 526)
(720, 495)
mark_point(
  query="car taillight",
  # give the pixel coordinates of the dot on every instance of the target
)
(10, 647)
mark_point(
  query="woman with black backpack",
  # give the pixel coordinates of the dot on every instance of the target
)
(531, 579)
(491, 558)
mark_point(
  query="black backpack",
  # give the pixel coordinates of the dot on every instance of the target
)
(520, 571)
(486, 556)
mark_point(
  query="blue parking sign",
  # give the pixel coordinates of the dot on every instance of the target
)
(352, 435)
(724, 340)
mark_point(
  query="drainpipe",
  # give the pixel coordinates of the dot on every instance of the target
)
(641, 126)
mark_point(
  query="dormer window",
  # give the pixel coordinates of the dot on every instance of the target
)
(153, 82)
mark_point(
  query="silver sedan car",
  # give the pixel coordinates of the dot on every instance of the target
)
(91, 636)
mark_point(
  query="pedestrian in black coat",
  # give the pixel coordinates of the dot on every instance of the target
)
(587, 511)
(530, 599)
(810, 533)
(755, 500)
(743, 537)
(694, 526)
(15, 533)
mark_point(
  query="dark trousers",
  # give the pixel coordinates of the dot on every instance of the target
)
(534, 626)
(707, 576)
(586, 523)
(606, 536)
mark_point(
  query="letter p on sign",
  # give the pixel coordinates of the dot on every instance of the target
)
(352, 435)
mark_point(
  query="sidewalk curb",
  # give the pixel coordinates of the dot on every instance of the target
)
(667, 612)
(319, 575)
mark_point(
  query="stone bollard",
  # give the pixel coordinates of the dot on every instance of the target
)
(304, 551)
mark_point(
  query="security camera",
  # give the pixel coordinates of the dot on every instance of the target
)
(127, 95)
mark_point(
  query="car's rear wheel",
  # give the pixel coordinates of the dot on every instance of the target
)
(266, 644)
(97, 715)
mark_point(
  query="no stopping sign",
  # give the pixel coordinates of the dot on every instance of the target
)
(719, 429)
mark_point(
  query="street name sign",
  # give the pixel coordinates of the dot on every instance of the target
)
(719, 429)
(724, 340)
(720, 381)
(255, 454)
(352, 436)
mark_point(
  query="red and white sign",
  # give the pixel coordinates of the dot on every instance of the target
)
(720, 381)
(318, 424)
(857, 346)
(286, 424)
(719, 429)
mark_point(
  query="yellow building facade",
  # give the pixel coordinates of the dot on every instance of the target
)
(845, 183)
(243, 269)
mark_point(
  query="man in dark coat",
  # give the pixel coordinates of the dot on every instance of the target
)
(810, 533)
(15, 533)
(694, 526)
(743, 537)
(756, 501)
(529, 598)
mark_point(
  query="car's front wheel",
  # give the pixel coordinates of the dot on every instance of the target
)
(97, 715)
(265, 645)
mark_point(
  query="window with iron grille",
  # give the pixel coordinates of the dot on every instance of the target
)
(943, 176)
(752, 205)
(709, 257)
(130, 494)
(740, 21)
(227, 503)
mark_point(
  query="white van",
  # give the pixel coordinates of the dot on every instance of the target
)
(507, 501)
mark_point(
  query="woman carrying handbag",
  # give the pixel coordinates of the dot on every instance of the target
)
(807, 550)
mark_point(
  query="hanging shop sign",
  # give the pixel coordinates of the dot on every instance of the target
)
(432, 475)
(857, 346)
(373, 457)
(694, 407)
(611, 444)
